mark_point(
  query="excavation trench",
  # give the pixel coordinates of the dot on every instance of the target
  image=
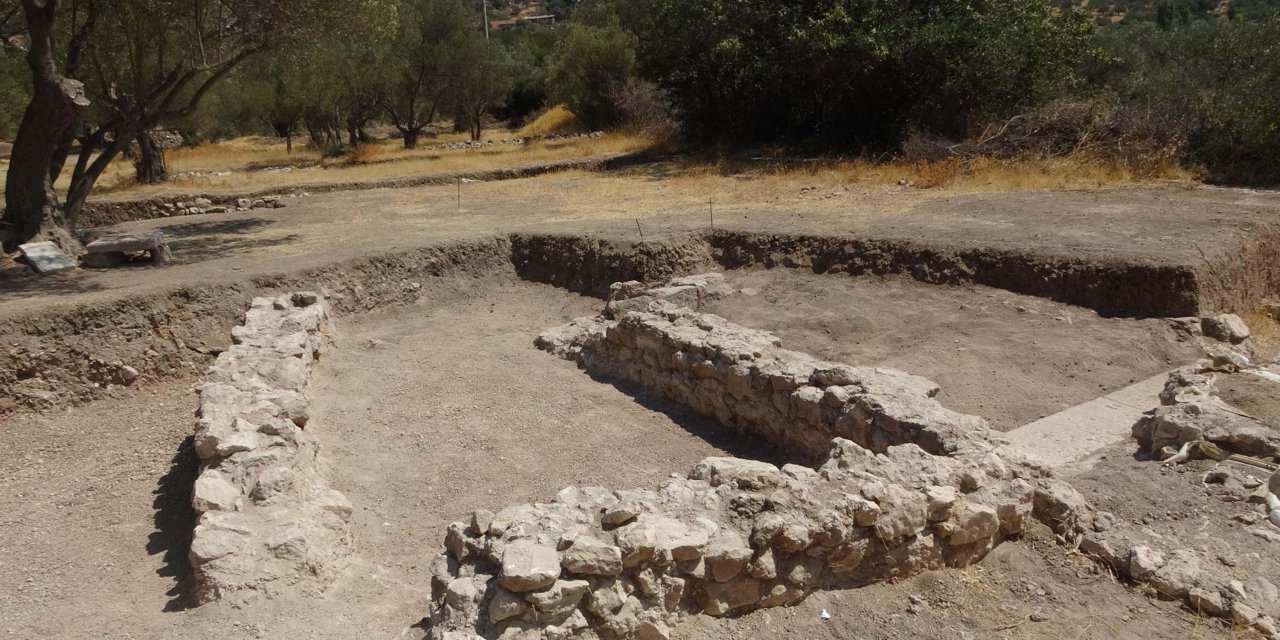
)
(429, 406)
(71, 354)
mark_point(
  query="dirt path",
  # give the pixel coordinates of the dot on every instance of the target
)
(1009, 358)
(1147, 226)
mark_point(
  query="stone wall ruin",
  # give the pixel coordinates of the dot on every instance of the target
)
(732, 536)
(903, 485)
(266, 517)
(744, 379)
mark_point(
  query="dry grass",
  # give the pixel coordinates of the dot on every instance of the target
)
(953, 174)
(197, 168)
(557, 119)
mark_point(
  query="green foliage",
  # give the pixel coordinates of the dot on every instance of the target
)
(591, 64)
(428, 51)
(1215, 79)
(15, 91)
(529, 51)
(482, 81)
(861, 72)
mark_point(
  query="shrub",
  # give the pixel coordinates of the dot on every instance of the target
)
(590, 65)
(644, 108)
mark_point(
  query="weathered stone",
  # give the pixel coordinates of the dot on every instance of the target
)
(903, 513)
(213, 492)
(724, 597)
(1206, 602)
(267, 518)
(726, 556)
(558, 599)
(744, 474)
(1227, 327)
(971, 523)
(1143, 562)
(527, 566)
(589, 556)
(941, 499)
(1178, 575)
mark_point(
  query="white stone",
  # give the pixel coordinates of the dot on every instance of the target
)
(527, 566)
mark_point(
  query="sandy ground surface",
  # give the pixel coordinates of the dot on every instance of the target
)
(1010, 358)
(1161, 224)
(426, 413)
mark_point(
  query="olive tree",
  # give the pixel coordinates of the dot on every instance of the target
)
(128, 66)
(423, 63)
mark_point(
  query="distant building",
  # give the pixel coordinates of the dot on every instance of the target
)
(498, 25)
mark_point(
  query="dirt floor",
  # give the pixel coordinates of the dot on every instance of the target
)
(426, 413)
(1010, 358)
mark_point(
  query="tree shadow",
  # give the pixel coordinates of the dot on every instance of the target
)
(200, 241)
(739, 444)
(20, 282)
(175, 520)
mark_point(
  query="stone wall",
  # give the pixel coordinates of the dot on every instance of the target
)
(732, 536)
(1192, 411)
(903, 485)
(266, 518)
(743, 378)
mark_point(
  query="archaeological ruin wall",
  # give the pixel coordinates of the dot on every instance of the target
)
(267, 520)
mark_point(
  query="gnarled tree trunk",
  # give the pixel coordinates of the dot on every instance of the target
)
(150, 166)
(32, 211)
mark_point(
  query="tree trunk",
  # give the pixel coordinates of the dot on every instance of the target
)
(411, 135)
(87, 173)
(32, 211)
(150, 166)
(353, 134)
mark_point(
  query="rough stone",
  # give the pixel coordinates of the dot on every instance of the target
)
(527, 566)
(591, 557)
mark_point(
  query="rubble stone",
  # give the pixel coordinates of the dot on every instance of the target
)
(266, 515)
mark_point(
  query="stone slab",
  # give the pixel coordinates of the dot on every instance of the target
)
(1071, 435)
(45, 257)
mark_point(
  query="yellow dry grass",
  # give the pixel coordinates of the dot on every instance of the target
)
(955, 174)
(226, 166)
(557, 119)
(761, 184)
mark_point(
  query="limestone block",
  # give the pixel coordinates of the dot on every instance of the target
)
(527, 566)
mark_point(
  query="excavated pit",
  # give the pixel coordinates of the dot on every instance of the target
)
(435, 402)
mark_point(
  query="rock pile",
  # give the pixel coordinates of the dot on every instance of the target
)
(744, 379)
(1191, 410)
(732, 536)
(267, 519)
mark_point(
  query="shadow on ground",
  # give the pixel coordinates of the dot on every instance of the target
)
(200, 241)
(175, 520)
(738, 444)
(19, 281)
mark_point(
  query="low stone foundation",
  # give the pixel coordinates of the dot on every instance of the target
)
(1192, 411)
(904, 485)
(744, 379)
(732, 536)
(267, 519)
